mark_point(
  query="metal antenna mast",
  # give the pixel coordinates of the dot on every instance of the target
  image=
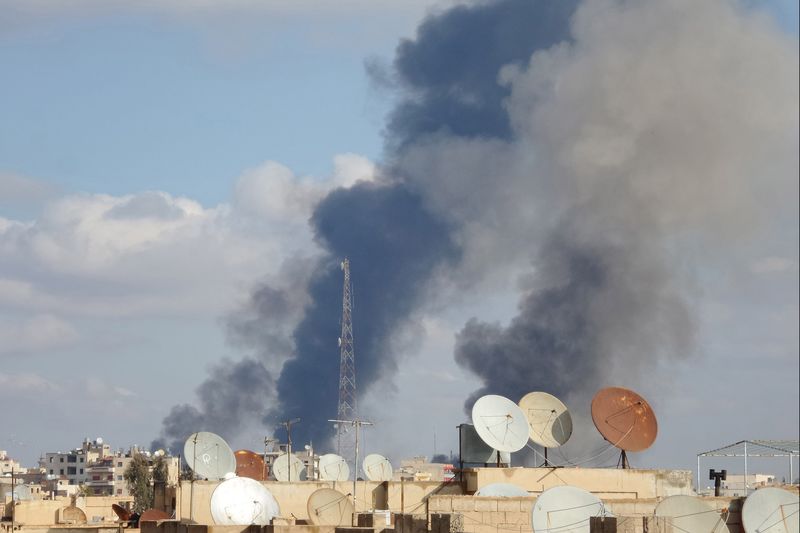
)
(345, 438)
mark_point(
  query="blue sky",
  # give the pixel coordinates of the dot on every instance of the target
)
(130, 101)
(106, 324)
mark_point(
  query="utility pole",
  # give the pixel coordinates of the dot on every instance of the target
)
(347, 370)
(356, 425)
(287, 424)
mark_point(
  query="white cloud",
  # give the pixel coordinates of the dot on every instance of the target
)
(36, 334)
(151, 253)
(25, 383)
(15, 188)
(773, 265)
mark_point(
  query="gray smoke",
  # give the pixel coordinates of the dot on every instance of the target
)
(636, 145)
(609, 147)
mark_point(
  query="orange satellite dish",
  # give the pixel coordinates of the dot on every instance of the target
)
(624, 419)
(250, 464)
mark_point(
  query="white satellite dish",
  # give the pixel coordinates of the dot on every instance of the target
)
(377, 468)
(549, 421)
(500, 423)
(208, 455)
(566, 509)
(502, 490)
(288, 467)
(241, 501)
(691, 514)
(771, 510)
(328, 507)
(22, 493)
(333, 467)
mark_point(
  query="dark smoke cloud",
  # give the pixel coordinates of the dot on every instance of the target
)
(596, 144)
(395, 241)
(395, 245)
(450, 69)
(237, 394)
(594, 303)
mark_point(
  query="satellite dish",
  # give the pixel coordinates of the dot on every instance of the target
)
(500, 423)
(22, 493)
(98, 441)
(241, 501)
(377, 468)
(566, 509)
(288, 467)
(333, 467)
(502, 490)
(691, 514)
(771, 510)
(72, 515)
(123, 514)
(549, 421)
(208, 455)
(328, 507)
(249, 464)
(624, 419)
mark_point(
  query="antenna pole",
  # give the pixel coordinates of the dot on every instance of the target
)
(14, 510)
(287, 424)
(347, 369)
(356, 424)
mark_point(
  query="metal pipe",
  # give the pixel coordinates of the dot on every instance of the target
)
(745, 468)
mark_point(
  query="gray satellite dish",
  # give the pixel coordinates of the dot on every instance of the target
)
(502, 490)
(691, 514)
(377, 468)
(566, 509)
(333, 467)
(771, 510)
(208, 455)
(241, 501)
(288, 467)
(500, 423)
(549, 421)
(328, 507)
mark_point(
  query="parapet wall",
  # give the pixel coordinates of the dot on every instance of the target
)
(606, 483)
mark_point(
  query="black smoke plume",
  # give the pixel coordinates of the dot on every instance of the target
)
(447, 78)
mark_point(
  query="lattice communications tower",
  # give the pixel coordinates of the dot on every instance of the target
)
(345, 434)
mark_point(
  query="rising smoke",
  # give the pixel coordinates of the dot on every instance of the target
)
(597, 145)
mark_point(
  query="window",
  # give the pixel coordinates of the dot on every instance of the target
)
(60, 459)
(81, 470)
(119, 478)
(72, 458)
(110, 477)
(51, 470)
(71, 471)
(51, 459)
(62, 472)
(119, 463)
(95, 478)
(81, 459)
(119, 491)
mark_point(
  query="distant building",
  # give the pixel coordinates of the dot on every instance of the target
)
(419, 469)
(734, 484)
(96, 467)
(7, 464)
(73, 464)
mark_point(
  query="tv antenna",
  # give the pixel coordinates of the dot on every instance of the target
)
(287, 425)
(356, 425)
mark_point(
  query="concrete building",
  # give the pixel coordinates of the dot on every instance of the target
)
(73, 464)
(7, 464)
